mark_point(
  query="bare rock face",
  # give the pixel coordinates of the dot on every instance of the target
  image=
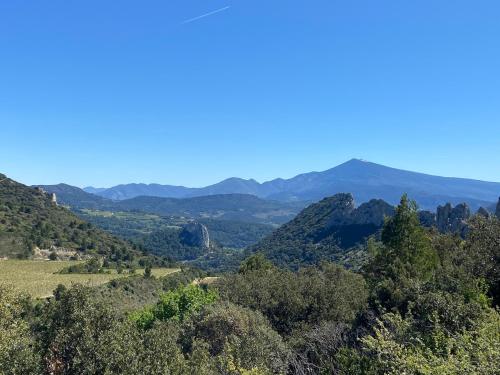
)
(195, 234)
(483, 212)
(453, 219)
(373, 212)
(497, 212)
(341, 207)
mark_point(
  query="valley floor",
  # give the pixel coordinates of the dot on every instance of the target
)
(40, 278)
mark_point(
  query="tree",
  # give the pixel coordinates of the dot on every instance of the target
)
(175, 305)
(17, 355)
(483, 250)
(147, 272)
(403, 260)
(291, 300)
(256, 262)
(242, 339)
(397, 347)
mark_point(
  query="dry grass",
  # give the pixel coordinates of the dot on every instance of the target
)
(39, 278)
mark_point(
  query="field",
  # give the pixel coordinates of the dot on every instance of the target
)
(39, 279)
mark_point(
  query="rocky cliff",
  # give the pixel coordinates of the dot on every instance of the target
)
(452, 219)
(195, 234)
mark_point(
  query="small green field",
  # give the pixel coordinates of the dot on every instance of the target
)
(39, 278)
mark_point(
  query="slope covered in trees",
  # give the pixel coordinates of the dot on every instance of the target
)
(29, 219)
(425, 303)
(324, 231)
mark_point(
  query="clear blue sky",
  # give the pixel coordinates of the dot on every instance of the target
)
(107, 92)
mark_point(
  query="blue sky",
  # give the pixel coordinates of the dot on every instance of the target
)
(107, 92)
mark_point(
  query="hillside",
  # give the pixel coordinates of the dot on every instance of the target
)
(324, 231)
(229, 207)
(238, 207)
(29, 219)
(364, 179)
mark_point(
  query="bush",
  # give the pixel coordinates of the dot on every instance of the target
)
(291, 300)
(175, 305)
(243, 339)
(17, 354)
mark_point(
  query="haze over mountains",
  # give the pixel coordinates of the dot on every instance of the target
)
(366, 180)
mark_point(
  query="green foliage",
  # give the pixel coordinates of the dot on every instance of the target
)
(137, 226)
(182, 278)
(324, 231)
(396, 348)
(92, 265)
(78, 335)
(403, 260)
(406, 245)
(425, 308)
(17, 354)
(175, 305)
(483, 248)
(291, 300)
(147, 271)
(241, 337)
(29, 219)
(256, 262)
(166, 242)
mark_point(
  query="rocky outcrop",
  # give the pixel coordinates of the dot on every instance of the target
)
(427, 218)
(340, 208)
(483, 212)
(195, 234)
(452, 219)
(372, 212)
(497, 212)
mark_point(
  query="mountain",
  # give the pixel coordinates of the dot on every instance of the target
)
(364, 179)
(235, 207)
(30, 219)
(128, 191)
(324, 231)
(368, 180)
(93, 190)
(242, 208)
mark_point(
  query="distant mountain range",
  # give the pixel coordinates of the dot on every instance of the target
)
(363, 179)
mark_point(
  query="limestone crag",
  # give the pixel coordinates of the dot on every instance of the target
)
(341, 208)
(195, 234)
(452, 219)
(483, 212)
(373, 212)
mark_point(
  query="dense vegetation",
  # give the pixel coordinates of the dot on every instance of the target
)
(231, 207)
(424, 303)
(29, 220)
(135, 225)
(331, 229)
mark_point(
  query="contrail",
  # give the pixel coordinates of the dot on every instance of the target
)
(205, 15)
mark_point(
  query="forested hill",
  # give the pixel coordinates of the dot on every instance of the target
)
(324, 231)
(29, 219)
(234, 207)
